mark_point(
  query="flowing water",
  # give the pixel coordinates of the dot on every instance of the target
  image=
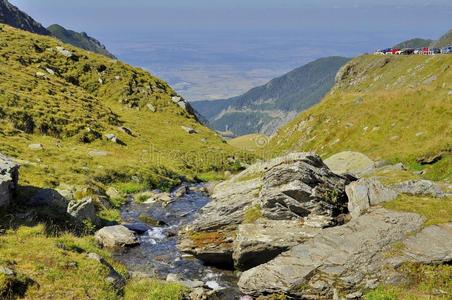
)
(158, 255)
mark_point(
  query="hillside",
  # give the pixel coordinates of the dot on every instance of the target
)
(443, 41)
(81, 40)
(414, 43)
(11, 15)
(394, 108)
(58, 104)
(265, 108)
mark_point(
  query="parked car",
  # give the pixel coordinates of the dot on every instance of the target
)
(418, 51)
(434, 51)
(446, 50)
(425, 51)
(405, 51)
(393, 51)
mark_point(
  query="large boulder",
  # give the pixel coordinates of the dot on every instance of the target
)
(344, 259)
(350, 162)
(50, 198)
(9, 176)
(303, 188)
(116, 236)
(297, 186)
(364, 193)
(260, 242)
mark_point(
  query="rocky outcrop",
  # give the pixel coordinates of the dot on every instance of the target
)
(419, 188)
(9, 176)
(297, 186)
(364, 193)
(116, 236)
(259, 243)
(11, 15)
(343, 259)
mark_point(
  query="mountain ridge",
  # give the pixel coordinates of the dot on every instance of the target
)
(265, 108)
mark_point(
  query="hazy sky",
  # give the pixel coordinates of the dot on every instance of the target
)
(253, 40)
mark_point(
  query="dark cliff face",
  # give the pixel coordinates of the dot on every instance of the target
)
(11, 15)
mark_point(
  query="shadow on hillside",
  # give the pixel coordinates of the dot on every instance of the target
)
(32, 206)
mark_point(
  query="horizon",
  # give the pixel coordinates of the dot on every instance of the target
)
(209, 50)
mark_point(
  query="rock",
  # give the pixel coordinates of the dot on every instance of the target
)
(181, 191)
(189, 130)
(113, 277)
(50, 71)
(116, 236)
(48, 197)
(341, 258)
(137, 227)
(350, 162)
(259, 243)
(126, 130)
(433, 245)
(41, 75)
(419, 188)
(151, 107)
(364, 193)
(83, 210)
(431, 159)
(192, 284)
(303, 189)
(297, 186)
(430, 79)
(173, 277)
(9, 176)
(213, 285)
(64, 52)
(36, 146)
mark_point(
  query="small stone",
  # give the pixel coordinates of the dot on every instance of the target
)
(173, 277)
(418, 134)
(189, 130)
(41, 75)
(36, 147)
(50, 71)
(64, 52)
(116, 236)
(151, 107)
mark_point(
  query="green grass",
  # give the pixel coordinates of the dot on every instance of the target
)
(250, 142)
(435, 210)
(384, 108)
(422, 282)
(57, 265)
(252, 214)
(150, 289)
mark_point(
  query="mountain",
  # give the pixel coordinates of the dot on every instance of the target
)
(11, 15)
(97, 119)
(445, 40)
(263, 109)
(414, 43)
(394, 108)
(81, 40)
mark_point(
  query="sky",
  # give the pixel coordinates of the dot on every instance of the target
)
(211, 49)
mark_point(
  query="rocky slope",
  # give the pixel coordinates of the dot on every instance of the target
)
(300, 231)
(393, 108)
(11, 15)
(81, 40)
(263, 109)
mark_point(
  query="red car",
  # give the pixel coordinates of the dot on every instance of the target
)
(394, 50)
(425, 51)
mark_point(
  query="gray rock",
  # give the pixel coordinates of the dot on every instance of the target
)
(350, 162)
(181, 191)
(126, 130)
(113, 277)
(9, 176)
(64, 52)
(364, 193)
(259, 243)
(189, 130)
(137, 227)
(303, 189)
(83, 210)
(151, 107)
(116, 236)
(344, 258)
(419, 188)
(297, 186)
(50, 198)
(433, 245)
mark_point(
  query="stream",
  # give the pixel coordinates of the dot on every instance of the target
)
(158, 255)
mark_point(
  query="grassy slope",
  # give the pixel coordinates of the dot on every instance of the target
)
(56, 112)
(397, 108)
(250, 142)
